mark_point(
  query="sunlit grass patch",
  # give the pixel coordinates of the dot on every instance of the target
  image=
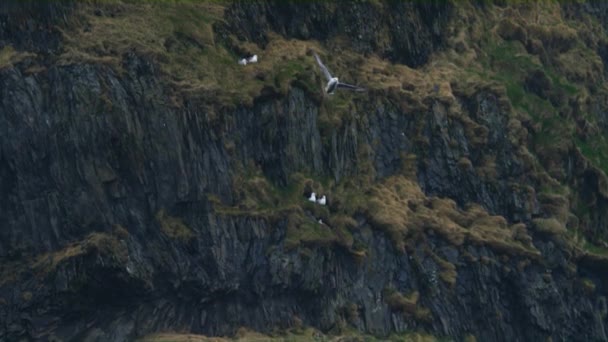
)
(9, 56)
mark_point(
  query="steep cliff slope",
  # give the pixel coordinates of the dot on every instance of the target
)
(150, 184)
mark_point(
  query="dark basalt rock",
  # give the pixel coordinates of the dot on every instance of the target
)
(414, 29)
(31, 25)
(89, 166)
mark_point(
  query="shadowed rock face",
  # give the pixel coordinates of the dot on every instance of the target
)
(95, 164)
(30, 25)
(405, 32)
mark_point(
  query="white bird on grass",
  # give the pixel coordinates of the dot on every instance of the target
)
(322, 200)
(243, 61)
(333, 82)
(313, 197)
(252, 59)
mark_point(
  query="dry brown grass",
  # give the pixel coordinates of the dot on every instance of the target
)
(581, 65)
(304, 231)
(408, 305)
(9, 56)
(181, 337)
(101, 243)
(179, 37)
(398, 207)
(120, 232)
(51, 260)
(398, 302)
(294, 335)
(173, 227)
(388, 207)
(549, 226)
(6, 55)
(448, 272)
(555, 205)
(256, 196)
(254, 193)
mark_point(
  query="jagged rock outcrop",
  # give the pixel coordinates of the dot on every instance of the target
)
(31, 25)
(406, 32)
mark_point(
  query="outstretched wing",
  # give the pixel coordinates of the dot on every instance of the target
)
(323, 67)
(350, 87)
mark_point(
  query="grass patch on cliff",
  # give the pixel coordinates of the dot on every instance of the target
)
(398, 207)
(291, 335)
(304, 230)
(9, 56)
(6, 55)
(595, 249)
(104, 244)
(408, 305)
(256, 196)
(549, 82)
(512, 64)
(173, 227)
(178, 36)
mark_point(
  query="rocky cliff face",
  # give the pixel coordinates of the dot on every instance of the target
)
(466, 199)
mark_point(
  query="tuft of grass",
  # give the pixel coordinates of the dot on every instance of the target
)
(305, 231)
(448, 272)
(9, 56)
(588, 286)
(549, 226)
(398, 207)
(555, 205)
(101, 243)
(173, 227)
(392, 207)
(6, 55)
(408, 305)
(398, 302)
(292, 335)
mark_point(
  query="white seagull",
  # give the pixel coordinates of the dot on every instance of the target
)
(322, 200)
(252, 59)
(243, 61)
(333, 82)
(313, 197)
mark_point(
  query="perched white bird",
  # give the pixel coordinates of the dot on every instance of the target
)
(322, 200)
(243, 61)
(321, 221)
(252, 59)
(313, 197)
(333, 82)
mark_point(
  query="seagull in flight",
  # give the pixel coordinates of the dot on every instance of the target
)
(333, 82)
